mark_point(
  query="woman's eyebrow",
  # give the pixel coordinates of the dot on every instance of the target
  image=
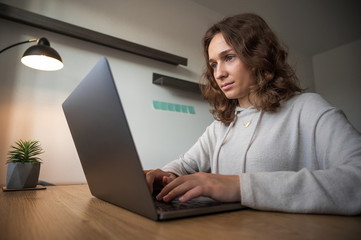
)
(221, 54)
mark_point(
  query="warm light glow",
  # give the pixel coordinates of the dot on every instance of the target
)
(42, 62)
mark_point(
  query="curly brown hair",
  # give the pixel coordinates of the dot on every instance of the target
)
(260, 50)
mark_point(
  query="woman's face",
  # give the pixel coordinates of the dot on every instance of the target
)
(232, 76)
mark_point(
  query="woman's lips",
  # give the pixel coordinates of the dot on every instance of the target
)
(227, 86)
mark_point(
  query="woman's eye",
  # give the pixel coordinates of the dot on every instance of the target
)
(229, 57)
(213, 65)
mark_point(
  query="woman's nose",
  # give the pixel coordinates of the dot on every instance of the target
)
(220, 72)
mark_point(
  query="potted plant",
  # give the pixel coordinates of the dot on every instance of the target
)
(23, 165)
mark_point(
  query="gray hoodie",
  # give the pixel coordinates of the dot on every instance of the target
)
(304, 158)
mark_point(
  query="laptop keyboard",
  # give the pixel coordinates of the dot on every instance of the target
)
(194, 203)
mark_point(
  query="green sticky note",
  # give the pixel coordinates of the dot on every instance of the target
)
(184, 109)
(163, 106)
(156, 105)
(171, 107)
(177, 107)
(191, 110)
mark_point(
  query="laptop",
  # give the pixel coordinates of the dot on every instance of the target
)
(108, 155)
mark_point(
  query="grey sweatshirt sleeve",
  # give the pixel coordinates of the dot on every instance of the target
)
(197, 158)
(333, 189)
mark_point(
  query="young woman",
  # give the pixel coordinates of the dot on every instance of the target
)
(271, 146)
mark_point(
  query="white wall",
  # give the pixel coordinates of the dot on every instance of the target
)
(338, 79)
(302, 63)
(30, 100)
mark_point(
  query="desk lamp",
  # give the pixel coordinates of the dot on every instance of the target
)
(40, 56)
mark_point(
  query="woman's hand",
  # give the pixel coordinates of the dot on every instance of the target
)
(224, 188)
(157, 178)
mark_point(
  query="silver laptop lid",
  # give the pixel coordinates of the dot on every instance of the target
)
(104, 143)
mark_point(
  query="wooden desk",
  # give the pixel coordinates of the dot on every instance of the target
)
(70, 212)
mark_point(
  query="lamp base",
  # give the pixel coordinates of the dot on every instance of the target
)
(38, 187)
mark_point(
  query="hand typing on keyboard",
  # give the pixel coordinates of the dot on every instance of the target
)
(157, 179)
(224, 188)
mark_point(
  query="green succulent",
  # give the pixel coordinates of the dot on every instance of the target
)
(25, 151)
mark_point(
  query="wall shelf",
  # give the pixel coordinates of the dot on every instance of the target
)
(53, 25)
(163, 80)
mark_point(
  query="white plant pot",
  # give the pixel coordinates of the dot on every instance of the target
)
(22, 175)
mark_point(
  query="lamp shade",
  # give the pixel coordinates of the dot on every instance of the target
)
(42, 57)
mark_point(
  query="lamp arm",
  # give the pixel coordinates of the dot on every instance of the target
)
(28, 41)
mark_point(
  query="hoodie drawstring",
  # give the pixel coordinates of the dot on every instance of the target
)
(244, 157)
(215, 165)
